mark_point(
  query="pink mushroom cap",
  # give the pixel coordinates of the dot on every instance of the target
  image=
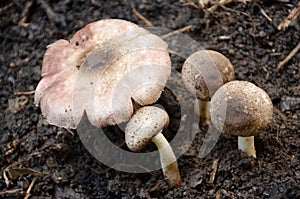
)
(104, 67)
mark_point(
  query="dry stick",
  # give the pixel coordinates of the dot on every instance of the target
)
(218, 4)
(192, 4)
(26, 13)
(292, 16)
(214, 171)
(265, 14)
(203, 3)
(6, 180)
(70, 131)
(287, 59)
(140, 16)
(181, 30)
(25, 92)
(283, 1)
(50, 13)
(29, 188)
(236, 11)
(8, 192)
(223, 2)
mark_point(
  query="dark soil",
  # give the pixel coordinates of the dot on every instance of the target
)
(59, 165)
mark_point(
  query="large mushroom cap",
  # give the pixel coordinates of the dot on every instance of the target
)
(249, 109)
(99, 71)
(205, 71)
(144, 125)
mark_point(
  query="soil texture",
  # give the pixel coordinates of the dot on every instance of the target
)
(50, 162)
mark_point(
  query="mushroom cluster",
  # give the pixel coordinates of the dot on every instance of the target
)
(110, 67)
(236, 108)
(104, 71)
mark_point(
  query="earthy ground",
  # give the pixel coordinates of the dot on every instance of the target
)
(56, 164)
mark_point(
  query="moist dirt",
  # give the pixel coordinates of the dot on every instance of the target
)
(50, 162)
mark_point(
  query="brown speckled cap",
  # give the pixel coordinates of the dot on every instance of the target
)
(84, 74)
(249, 109)
(144, 125)
(205, 71)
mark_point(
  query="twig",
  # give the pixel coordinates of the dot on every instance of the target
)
(181, 30)
(223, 2)
(192, 4)
(140, 16)
(287, 59)
(291, 17)
(275, 54)
(29, 188)
(283, 1)
(214, 171)
(50, 13)
(265, 14)
(8, 192)
(70, 131)
(236, 11)
(24, 92)
(26, 13)
(7, 181)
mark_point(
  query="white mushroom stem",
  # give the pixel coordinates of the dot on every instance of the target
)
(146, 125)
(202, 110)
(246, 144)
(168, 160)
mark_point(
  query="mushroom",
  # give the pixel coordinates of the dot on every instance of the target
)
(249, 112)
(203, 73)
(147, 125)
(83, 74)
(107, 68)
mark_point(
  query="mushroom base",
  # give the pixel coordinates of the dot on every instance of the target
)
(201, 108)
(168, 160)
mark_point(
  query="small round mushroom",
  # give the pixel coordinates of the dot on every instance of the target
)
(147, 125)
(203, 73)
(249, 112)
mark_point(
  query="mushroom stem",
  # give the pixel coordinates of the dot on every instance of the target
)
(202, 110)
(246, 144)
(168, 160)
